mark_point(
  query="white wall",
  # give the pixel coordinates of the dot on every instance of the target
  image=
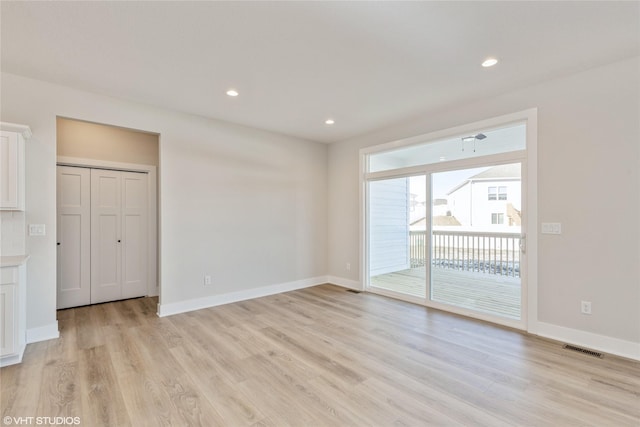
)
(588, 160)
(246, 206)
(12, 232)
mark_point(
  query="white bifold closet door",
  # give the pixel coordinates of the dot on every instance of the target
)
(74, 236)
(102, 251)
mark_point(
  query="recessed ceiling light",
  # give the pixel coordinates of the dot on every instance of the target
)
(329, 122)
(489, 62)
(232, 92)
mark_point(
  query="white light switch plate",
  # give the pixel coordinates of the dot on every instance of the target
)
(37, 230)
(551, 228)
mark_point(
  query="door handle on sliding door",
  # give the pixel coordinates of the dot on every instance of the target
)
(523, 243)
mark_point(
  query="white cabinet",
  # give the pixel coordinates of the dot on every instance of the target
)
(8, 308)
(12, 314)
(12, 177)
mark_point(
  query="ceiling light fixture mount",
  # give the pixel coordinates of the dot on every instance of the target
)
(474, 138)
(489, 62)
(232, 92)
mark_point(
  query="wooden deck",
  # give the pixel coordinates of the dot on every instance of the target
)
(487, 293)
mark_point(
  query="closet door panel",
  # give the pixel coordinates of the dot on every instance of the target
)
(134, 234)
(106, 237)
(73, 236)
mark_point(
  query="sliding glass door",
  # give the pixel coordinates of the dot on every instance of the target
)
(445, 223)
(475, 257)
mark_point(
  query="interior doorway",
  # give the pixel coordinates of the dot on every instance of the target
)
(107, 230)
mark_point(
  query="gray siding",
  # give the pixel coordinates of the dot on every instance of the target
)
(388, 226)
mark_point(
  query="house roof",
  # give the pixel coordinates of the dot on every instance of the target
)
(511, 170)
(500, 172)
(437, 220)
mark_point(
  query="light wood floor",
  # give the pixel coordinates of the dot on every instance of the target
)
(321, 356)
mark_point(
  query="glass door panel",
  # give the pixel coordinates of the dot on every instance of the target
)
(397, 218)
(476, 217)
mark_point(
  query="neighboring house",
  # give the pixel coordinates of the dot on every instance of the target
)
(490, 198)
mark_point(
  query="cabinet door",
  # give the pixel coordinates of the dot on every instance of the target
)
(9, 170)
(74, 236)
(106, 238)
(7, 319)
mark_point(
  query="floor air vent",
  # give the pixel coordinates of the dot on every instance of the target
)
(353, 291)
(583, 350)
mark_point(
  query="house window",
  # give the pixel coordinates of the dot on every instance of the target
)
(502, 193)
(497, 218)
(493, 193)
(497, 193)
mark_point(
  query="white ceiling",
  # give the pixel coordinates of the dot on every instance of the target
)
(368, 65)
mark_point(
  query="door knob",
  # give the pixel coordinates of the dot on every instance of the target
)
(118, 240)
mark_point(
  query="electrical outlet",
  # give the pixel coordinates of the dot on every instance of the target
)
(585, 307)
(207, 280)
(348, 266)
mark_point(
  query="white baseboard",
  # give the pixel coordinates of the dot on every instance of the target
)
(628, 349)
(153, 292)
(43, 333)
(12, 359)
(345, 283)
(215, 300)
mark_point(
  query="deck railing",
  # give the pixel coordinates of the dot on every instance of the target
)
(491, 253)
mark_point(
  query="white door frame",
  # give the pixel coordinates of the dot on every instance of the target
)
(153, 285)
(529, 159)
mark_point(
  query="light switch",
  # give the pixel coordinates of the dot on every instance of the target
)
(36, 230)
(551, 228)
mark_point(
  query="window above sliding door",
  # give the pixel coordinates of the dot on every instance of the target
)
(465, 146)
